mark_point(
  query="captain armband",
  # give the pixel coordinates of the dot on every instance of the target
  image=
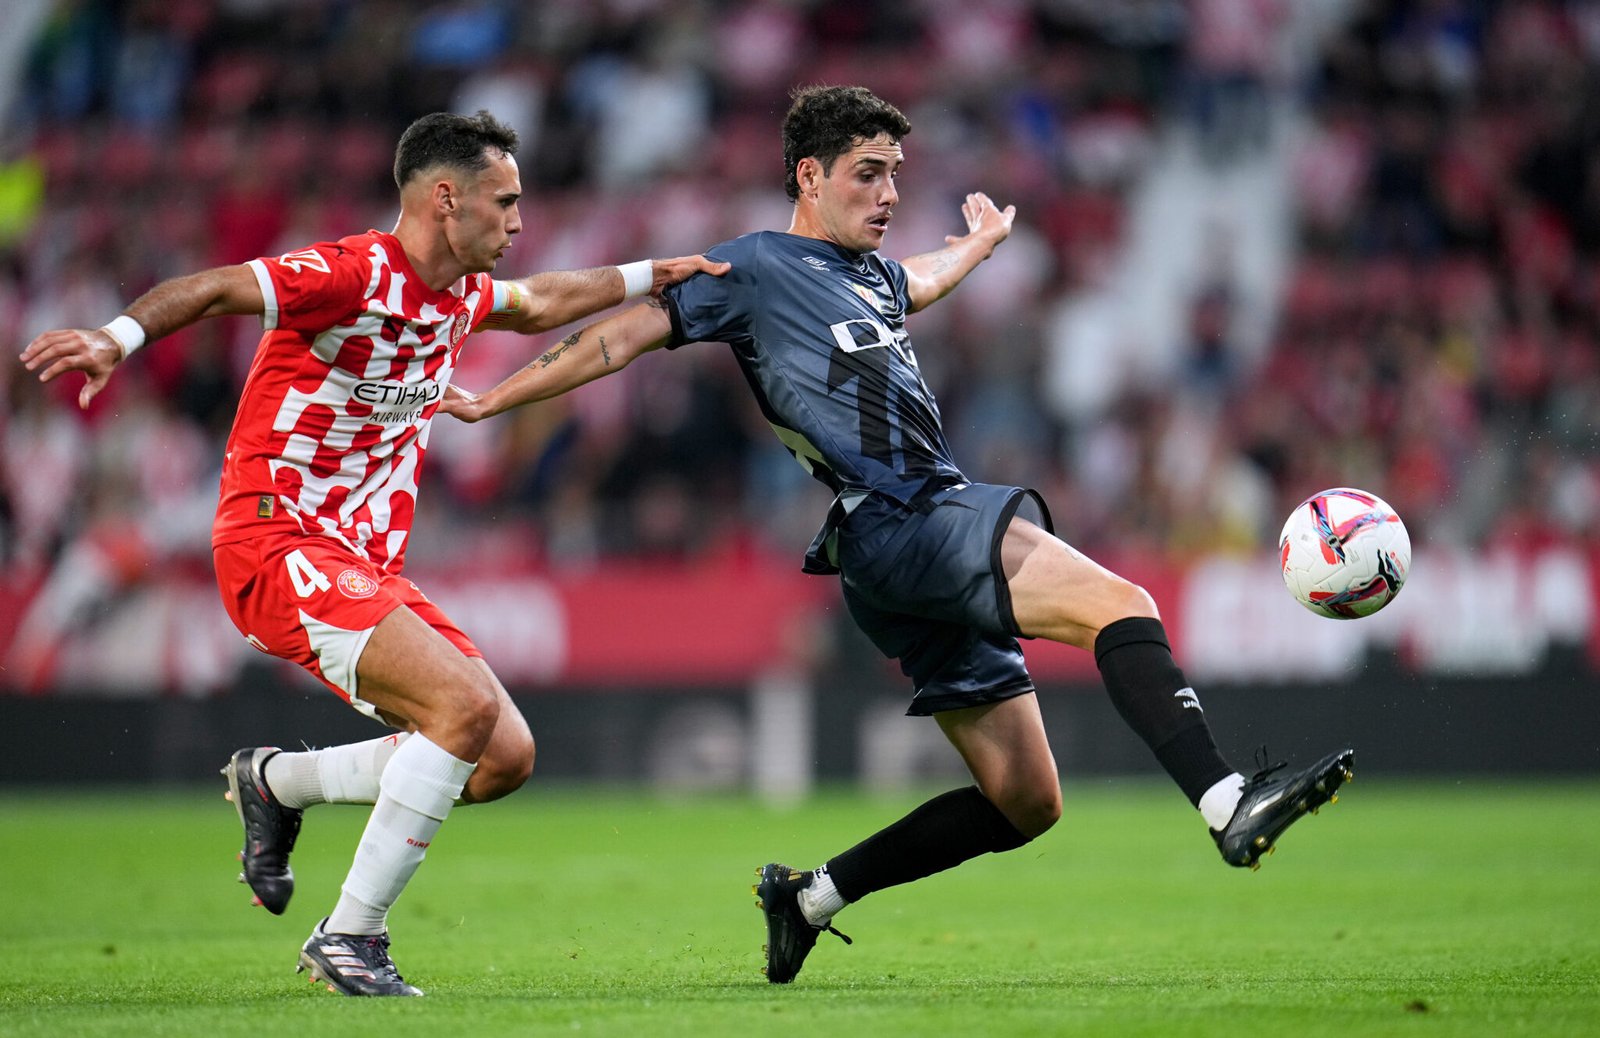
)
(508, 298)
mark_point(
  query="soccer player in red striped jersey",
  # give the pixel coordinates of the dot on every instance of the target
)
(318, 493)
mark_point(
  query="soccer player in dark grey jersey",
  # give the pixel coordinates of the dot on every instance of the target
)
(943, 574)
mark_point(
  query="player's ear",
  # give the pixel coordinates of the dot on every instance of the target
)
(808, 172)
(445, 197)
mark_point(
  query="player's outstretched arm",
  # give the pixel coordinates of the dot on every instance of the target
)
(600, 349)
(931, 276)
(163, 310)
(541, 302)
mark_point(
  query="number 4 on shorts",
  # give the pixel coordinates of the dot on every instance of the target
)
(308, 579)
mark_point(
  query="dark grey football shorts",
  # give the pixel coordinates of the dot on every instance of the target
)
(925, 584)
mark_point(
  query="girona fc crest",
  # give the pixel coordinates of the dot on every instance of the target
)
(458, 329)
(356, 584)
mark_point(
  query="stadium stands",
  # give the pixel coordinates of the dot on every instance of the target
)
(1435, 332)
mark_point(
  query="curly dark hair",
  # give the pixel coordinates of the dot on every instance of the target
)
(446, 139)
(824, 122)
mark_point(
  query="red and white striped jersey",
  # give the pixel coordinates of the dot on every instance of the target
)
(333, 420)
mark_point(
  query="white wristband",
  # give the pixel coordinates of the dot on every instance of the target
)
(637, 278)
(125, 332)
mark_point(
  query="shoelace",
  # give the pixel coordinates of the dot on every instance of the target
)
(1263, 769)
(380, 947)
(836, 933)
(380, 964)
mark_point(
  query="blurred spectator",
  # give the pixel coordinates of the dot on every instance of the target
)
(1233, 59)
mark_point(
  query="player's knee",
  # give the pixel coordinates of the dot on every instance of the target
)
(1139, 602)
(482, 711)
(1040, 811)
(473, 711)
(503, 770)
(1125, 599)
(1033, 808)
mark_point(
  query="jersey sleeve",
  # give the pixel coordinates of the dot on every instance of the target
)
(707, 308)
(311, 289)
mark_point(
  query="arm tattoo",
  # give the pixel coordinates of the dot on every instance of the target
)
(942, 261)
(605, 354)
(549, 357)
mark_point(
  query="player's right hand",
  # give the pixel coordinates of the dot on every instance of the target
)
(665, 272)
(90, 351)
(462, 404)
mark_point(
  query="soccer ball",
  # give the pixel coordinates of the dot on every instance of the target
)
(1344, 553)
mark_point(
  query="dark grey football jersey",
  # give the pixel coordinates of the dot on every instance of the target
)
(820, 333)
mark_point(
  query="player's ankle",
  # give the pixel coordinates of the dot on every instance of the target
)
(820, 901)
(353, 915)
(1217, 804)
(294, 779)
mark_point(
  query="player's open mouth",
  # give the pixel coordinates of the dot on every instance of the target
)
(879, 223)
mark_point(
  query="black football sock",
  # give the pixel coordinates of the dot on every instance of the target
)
(1150, 693)
(938, 835)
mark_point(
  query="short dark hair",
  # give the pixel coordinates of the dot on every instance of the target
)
(446, 139)
(824, 122)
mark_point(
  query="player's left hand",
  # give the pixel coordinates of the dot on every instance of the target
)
(666, 272)
(986, 222)
(90, 351)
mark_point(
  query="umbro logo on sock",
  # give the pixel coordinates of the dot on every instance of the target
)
(1189, 699)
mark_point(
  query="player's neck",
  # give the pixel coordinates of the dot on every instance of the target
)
(803, 226)
(429, 255)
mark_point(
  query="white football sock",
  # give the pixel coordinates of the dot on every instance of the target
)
(416, 793)
(1217, 803)
(350, 773)
(332, 775)
(821, 901)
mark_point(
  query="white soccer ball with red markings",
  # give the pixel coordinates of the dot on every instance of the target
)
(1345, 553)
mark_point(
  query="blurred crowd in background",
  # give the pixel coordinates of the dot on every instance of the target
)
(1408, 301)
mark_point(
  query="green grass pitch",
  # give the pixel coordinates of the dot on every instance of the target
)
(1407, 909)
